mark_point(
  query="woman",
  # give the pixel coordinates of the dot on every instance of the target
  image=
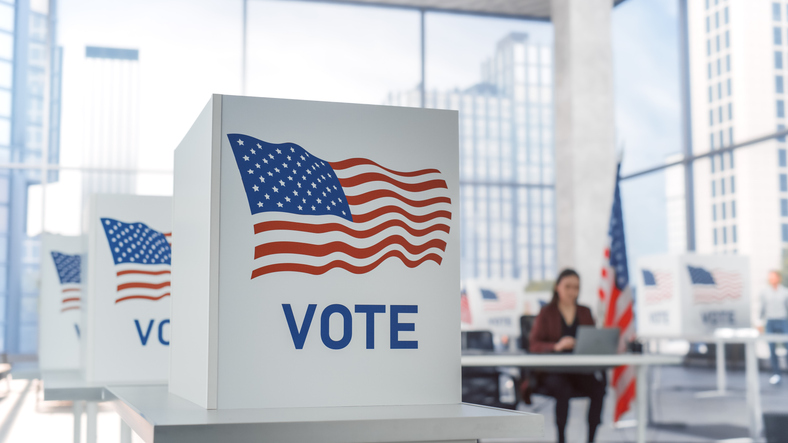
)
(554, 330)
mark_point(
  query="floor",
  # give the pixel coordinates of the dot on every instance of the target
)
(677, 415)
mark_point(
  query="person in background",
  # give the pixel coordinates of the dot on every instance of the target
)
(774, 309)
(554, 330)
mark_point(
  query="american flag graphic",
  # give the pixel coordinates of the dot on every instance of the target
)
(657, 286)
(715, 286)
(498, 301)
(142, 260)
(465, 308)
(616, 301)
(68, 272)
(311, 215)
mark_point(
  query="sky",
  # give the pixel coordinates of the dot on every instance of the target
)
(190, 49)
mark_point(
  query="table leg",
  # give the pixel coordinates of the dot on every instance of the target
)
(92, 412)
(753, 389)
(641, 394)
(125, 432)
(78, 408)
(721, 374)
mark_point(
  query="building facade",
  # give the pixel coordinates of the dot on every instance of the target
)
(30, 78)
(506, 162)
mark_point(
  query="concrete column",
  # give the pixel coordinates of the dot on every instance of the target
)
(584, 136)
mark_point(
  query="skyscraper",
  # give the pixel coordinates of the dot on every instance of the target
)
(111, 120)
(30, 76)
(506, 162)
(737, 62)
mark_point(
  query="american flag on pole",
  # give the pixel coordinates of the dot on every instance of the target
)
(715, 286)
(142, 260)
(68, 268)
(311, 216)
(657, 286)
(465, 309)
(616, 299)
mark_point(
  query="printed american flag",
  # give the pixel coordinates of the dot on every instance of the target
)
(465, 309)
(142, 260)
(498, 301)
(616, 299)
(657, 286)
(311, 215)
(715, 286)
(68, 268)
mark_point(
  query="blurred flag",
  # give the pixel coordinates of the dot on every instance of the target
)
(498, 301)
(311, 216)
(716, 285)
(657, 286)
(616, 301)
(142, 260)
(465, 308)
(68, 271)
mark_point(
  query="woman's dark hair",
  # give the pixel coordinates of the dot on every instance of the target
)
(568, 272)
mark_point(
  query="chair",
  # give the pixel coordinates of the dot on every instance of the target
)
(483, 385)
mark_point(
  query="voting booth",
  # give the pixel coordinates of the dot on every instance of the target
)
(692, 295)
(497, 305)
(60, 302)
(317, 256)
(127, 311)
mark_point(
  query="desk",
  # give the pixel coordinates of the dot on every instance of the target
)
(748, 337)
(160, 417)
(641, 361)
(71, 386)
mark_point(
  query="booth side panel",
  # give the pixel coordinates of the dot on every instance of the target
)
(194, 266)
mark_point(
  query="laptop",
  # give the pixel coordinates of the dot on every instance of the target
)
(596, 341)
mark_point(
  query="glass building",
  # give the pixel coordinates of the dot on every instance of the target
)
(506, 162)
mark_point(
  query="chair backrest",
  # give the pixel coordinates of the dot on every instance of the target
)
(526, 324)
(776, 427)
(481, 340)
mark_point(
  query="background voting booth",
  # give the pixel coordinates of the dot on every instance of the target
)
(60, 302)
(127, 313)
(497, 305)
(692, 295)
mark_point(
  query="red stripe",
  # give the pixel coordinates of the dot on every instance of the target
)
(618, 371)
(286, 247)
(142, 297)
(626, 318)
(624, 400)
(349, 163)
(66, 300)
(71, 290)
(140, 285)
(369, 196)
(318, 270)
(137, 271)
(610, 315)
(363, 218)
(333, 227)
(377, 177)
(69, 308)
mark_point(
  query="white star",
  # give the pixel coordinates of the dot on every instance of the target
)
(313, 208)
(255, 188)
(240, 142)
(328, 189)
(270, 174)
(250, 171)
(314, 185)
(335, 187)
(267, 197)
(302, 158)
(328, 208)
(265, 160)
(246, 157)
(303, 200)
(281, 182)
(290, 178)
(318, 180)
(308, 171)
(288, 158)
(275, 189)
(319, 201)
(259, 204)
(278, 151)
(294, 172)
(343, 212)
(258, 145)
(308, 192)
(287, 199)
(252, 150)
(262, 179)
(279, 204)
(276, 169)
(299, 207)
(324, 194)
(270, 156)
(257, 165)
(303, 177)
(292, 149)
(332, 202)
(299, 185)
(284, 165)
(295, 193)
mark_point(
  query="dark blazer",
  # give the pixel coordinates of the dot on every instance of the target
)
(547, 327)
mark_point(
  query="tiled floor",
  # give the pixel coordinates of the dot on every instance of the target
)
(678, 415)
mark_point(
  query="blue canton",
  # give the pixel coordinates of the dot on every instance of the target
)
(700, 276)
(68, 267)
(136, 243)
(618, 247)
(648, 278)
(286, 178)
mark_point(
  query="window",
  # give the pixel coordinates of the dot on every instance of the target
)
(783, 183)
(723, 210)
(711, 119)
(730, 114)
(730, 154)
(783, 161)
(722, 163)
(776, 12)
(784, 207)
(719, 66)
(726, 15)
(722, 186)
(785, 232)
(716, 20)
(724, 235)
(727, 63)
(719, 115)
(711, 95)
(780, 109)
(730, 139)
(778, 36)
(779, 129)
(722, 141)
(708, 47)
(727, 39)
(718, 43)
(729, 87)
(708, 24)
(711, 139)
(778, 61)
(713, 188)
(713, 162)
(733, 234)
(733, 184)
(714, 212)
(733, 209)
(709, 70)
(778, 84)
(715, 236)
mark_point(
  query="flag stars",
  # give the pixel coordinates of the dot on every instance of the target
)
(262, 179)
(259, 147)
(287, 199)
(282, 182)
(319, 201)
(292, 149)
(240, 142)
(257, 165)
(250, 171)
(324, 194)
(252, 151)
(290, 178)
(279, 204)
(302, 158)
(255, 188)
(265, 160)
(267, 197)
(300, 208)
(278, 151)
(309, 172)
(313, 208)
(259, 204)
(314, 185)
(295, 193)
(299, 185)
(298, 164)
(284, 165)
(246, 158)
(308, 192)
(275, 189)
(276, 170)
(289, 158)
(270, 174)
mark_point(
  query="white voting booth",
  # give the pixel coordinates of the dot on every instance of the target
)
(692, 295)
(497, 305)
(60, 302)
(127, 314)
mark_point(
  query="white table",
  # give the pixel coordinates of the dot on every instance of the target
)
(71, 386)
(641, 361)
(160, 417)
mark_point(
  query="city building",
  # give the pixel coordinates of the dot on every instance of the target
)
(30, 80)
(111, 120)
(676, 211)
(737, 65)
(506, 162)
